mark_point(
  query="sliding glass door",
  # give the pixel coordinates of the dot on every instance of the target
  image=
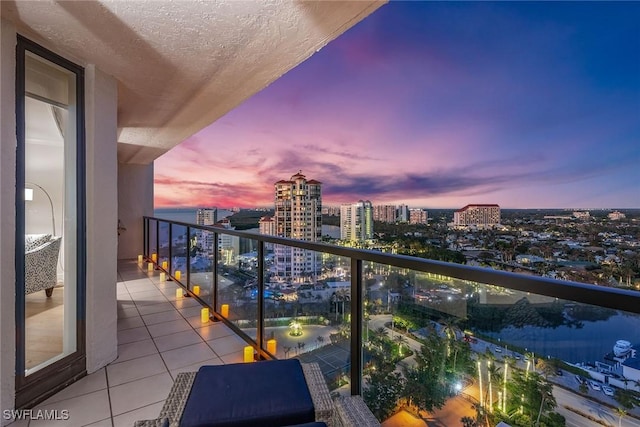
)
(50, 217)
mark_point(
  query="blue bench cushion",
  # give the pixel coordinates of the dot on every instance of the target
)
(269, 393)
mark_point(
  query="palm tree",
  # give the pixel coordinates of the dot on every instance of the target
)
(300, 347)
(493, 373)
(451, 331)
(286, 351)
(509, 362)
(545, 367)
(399, 339)
(621, 413)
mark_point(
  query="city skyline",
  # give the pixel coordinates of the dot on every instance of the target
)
(440, 105)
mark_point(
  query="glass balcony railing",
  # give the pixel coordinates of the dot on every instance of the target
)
(415, 333)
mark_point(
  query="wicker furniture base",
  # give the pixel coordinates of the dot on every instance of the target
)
(352, 411)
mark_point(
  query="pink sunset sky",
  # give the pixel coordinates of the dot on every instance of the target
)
(528, 105)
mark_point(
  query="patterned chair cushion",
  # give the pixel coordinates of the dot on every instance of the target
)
(40, 266)
(32, 241)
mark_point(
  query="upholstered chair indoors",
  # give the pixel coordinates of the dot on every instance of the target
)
(40, 262)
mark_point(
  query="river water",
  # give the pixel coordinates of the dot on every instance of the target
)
(587, 344)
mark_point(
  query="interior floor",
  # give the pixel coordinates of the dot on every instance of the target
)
(44, 326)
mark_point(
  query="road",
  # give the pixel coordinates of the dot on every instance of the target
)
(588, 407)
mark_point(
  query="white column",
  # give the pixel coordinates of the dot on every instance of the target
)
(101, 96)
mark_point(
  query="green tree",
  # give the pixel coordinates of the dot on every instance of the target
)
(382, 394)
(626, 398)
(530, 394)
(583, 388)
(426, 384)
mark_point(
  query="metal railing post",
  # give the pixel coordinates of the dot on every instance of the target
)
(145, 236)
(188, 257)
(169, 264)
(157, 237)
(260, 331)
(356, 326)
(215, 272)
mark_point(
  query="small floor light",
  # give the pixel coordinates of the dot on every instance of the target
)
(272, 346)
(204, 315)
(248, 354)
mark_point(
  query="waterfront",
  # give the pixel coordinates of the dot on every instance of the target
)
(585, 344)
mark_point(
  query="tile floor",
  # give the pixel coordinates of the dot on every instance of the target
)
(158, 337)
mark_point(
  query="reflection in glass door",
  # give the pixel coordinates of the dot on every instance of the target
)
(49, 293)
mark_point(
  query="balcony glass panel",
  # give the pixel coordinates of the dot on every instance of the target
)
(201, 268)
(179, 248)
(152, 242)
(163, 243)
(322, 310)
(238, 283)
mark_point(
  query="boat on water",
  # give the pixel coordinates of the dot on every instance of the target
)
(622, 348)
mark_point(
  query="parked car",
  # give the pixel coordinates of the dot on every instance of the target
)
(559, 372)
(468, 338)
(498, 350)
(594, 385)
(607, 390)
(579, 379)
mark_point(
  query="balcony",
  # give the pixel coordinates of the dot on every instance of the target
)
(459, 341)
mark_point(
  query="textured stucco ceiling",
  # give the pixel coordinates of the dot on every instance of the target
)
(181, 65)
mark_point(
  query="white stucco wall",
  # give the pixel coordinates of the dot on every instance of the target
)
(7, 215)
(135, 200)
(102, 200)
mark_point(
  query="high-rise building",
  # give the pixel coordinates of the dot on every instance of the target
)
(418, 216)
(228, 245)
(384, 213)
(477, 215)
(267, 225)
(206, 216)
(402, 213)
(298, 215)
(356, 221)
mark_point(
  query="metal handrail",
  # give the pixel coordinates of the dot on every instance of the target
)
(619, 299)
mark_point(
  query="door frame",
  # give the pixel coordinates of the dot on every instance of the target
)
(38, 386)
